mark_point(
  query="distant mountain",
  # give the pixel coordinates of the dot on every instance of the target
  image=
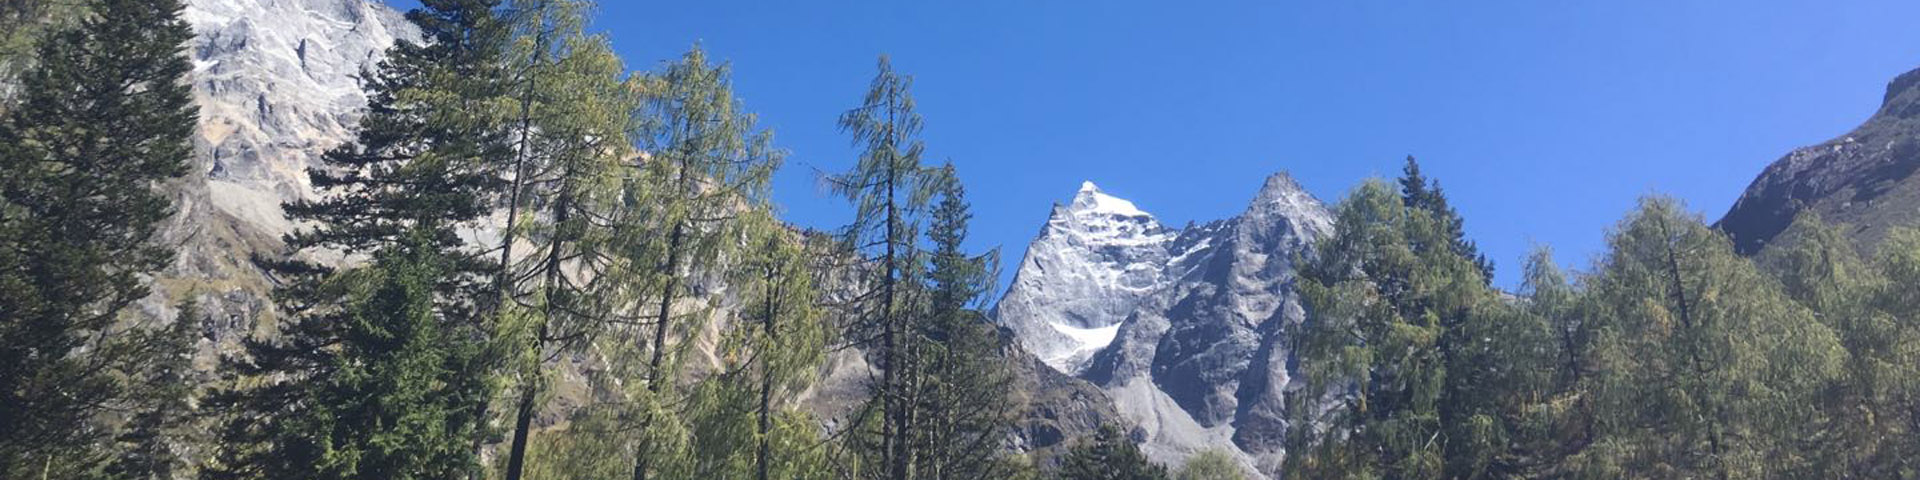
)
(1190, 329)
(1863, 179)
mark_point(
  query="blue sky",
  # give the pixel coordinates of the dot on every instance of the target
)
(1544, 120)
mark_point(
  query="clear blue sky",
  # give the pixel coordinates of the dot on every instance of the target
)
(1544, 120)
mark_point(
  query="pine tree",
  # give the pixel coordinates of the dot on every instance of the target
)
(103, 118)
(1109, 455)
(889, 189)
(1382, 294)
(1863, 303)
(742, 415)
(151, 444)
(381, 370)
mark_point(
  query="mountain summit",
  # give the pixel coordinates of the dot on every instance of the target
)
(1186, 330)
(1096, 257)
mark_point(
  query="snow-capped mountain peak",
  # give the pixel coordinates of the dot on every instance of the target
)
(1097, 255)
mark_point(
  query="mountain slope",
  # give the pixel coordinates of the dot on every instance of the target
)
(1863, 179)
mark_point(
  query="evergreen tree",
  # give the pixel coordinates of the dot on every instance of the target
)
(889, 189)
(958, 380)
(1384, 295)
(1109, 455)
(150, 446)
(102, 120)
(1417, 191)
(1869, 404)
(1699, 366)
(381, 370)
(742, 414)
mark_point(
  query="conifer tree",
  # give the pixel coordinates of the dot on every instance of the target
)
(1381, 294)
(708, 166)
(1417, 191)
(742, 415)
(380, 370)
(102, 119)
(958, 377)
(570, 142)
(890, 190)
(1864, 304)
(151, 443)
(1699, 366)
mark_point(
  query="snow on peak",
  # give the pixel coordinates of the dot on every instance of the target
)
(1091, 200)
(1096, 257)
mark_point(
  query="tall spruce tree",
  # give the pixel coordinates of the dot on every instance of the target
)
(103, 118)
(380, 370)
(959, 379)
(889, 190)
(1418, 191)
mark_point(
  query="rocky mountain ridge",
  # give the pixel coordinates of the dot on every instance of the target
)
(1863, 179)
(1201, 355)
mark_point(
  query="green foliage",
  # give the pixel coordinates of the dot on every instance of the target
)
(956, 381)
(1868, 307)
(707, 172)
(99, 124)
(1109, 455)
(1387, 298)
(1210, 465)
(382, 371)
(565, 183)
(1700, 367)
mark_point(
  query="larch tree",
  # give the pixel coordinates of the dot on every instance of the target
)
(706, 169)
(1699, 365)
(572, 100)
(890, 191)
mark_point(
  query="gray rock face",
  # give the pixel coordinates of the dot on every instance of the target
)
(1096, 258)
(1202, 360)
(277, 83)
(1863, 179)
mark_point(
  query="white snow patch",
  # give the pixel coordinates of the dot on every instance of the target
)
(1092, 200)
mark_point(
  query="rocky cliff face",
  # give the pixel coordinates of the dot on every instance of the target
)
(1863, 179)
(1094, 260)
(1200, 359)
(277, 83)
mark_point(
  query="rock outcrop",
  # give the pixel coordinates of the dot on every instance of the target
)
(1864, 179)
